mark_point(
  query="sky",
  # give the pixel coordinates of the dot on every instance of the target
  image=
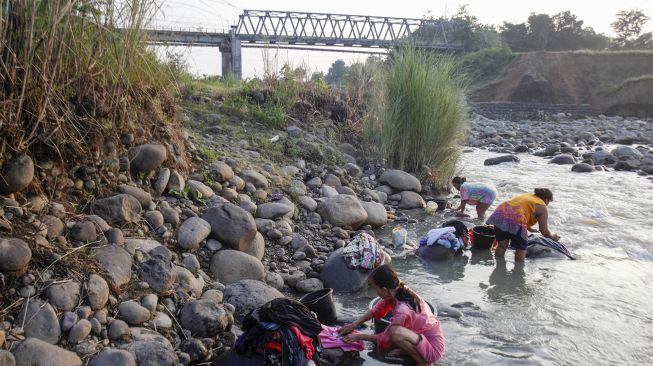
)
(221, 14)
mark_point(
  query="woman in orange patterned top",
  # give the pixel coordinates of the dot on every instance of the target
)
(513, 220)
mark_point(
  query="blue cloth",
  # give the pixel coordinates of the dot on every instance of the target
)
(550, 243)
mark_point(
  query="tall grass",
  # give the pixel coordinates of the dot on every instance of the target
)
(71, 78)
(419, 124)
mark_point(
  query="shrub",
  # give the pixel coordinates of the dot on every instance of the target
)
(419, 123)
(487, 63)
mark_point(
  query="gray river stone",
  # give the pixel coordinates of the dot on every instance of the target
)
(204, 318)
(247, 295)
(192, 232)
(113, 357)
(35, 352)
(40, 321)
(400, 180)
(116, 262)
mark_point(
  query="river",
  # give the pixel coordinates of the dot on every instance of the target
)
(596, 310)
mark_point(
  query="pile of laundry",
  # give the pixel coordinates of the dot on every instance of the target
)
(363, 252)
(450, 235)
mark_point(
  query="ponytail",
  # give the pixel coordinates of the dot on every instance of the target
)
(385, 276)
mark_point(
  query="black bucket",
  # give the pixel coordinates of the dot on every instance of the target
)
(483, 237)
(321, 303)
(442, 203)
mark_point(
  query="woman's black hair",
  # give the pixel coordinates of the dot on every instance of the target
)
(458, 180)
(385, 276)
(461, 228)
(544, 193)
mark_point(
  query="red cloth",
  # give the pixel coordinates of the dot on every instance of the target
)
(273, 345)
(304, 341)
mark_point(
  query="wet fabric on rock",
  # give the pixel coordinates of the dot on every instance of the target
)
(363, 252)
(330, 338)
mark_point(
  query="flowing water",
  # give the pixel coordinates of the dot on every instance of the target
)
(596, 310)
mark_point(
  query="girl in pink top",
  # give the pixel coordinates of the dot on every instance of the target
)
(413, 328)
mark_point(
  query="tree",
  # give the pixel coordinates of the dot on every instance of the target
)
(628, 26)
(318, 75)
(335, 73)
(541, 30)
(515, 36)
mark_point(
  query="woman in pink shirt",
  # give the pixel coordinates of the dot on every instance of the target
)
(413, 328)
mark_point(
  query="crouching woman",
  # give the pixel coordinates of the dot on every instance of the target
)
(414, 330)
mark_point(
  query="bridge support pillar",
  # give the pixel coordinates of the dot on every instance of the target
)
(232, 59)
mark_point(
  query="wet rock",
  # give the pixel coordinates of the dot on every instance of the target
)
(16, 174)
(147, 158)
(229, 266)
(626, 152)
(192, 232)
(582, 168)
(98, 291)
(133, 313)
(204, 318)
(198, 190)
(256, 178)
(113, 357)
(116, 261)
(376, 214)
(118, 330)
(562, 159)
(339, 277)
(231, 225)
(343, 210)
(118, 209)
(309, 285)
(273, 211)
(221, 172)
(551, 150)
(501, 159)
(35, 352)
(143, 197)
(247, 295)
(435, 253)
(603, 158)
(410, 200)
(400, 180)
(14, 255)
(83, 231)
(79, 331)
(158, 270)
(40, 321)
(64, 296)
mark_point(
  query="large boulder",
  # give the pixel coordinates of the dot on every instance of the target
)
(410, 200)
(400, 180)
(602, 157)
(16, 174)
(14, 255)
(339, 277)
(376, 214)
(247, 295)
(562, 159)
(35, 352)
(435, 252)
(626, 152)
(205, 318)
(256, 178)
(231, 225)
(40, 321)
(343, 210)
(501, 159)
(229, 266)
(116, 262)
(192, 232)
(146, 158)
(119, 209)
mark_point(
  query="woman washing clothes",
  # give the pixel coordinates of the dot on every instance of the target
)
(481, 195)
(414, 330)
(513, 220)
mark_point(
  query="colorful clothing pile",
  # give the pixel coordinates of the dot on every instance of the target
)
(475, 193)
(363, 252)
(283, 331)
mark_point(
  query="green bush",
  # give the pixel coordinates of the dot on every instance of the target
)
(419, 123)
(486, 63)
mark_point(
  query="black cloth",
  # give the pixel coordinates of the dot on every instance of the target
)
(460, 227)
(285, 311)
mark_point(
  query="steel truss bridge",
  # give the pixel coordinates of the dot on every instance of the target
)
(311, 31)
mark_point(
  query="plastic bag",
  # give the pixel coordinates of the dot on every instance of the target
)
(399, 237)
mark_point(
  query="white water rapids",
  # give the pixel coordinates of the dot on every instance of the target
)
(597, 310)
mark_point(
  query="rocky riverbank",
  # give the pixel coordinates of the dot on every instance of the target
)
(586, 144)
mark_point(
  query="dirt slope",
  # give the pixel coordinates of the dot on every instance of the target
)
(576, 78)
